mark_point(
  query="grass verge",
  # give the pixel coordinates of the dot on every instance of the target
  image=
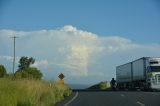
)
(100, 86)
(24, 92)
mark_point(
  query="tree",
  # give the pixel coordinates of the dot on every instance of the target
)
(34, 72)
(25, 62)
(2, 71)
(22, 74)
(25, 71)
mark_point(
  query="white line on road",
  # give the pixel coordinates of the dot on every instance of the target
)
(122, 95)
(141, 103)
(76, 95)
(155, 94)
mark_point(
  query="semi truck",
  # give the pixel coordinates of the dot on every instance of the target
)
(143, 73)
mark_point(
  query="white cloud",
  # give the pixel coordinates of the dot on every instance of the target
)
(9, 58)
(69, 28)
(68, 47)
(43, 63)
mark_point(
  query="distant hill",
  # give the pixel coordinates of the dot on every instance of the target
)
(100, 86)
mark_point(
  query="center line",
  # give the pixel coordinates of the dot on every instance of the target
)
(141, 103)
(122, 95)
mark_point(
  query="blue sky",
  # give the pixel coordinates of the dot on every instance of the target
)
(103, 33)
(134, 19)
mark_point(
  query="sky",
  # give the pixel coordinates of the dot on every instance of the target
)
(84, 39)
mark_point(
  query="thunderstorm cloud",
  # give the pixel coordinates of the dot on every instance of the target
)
(71, 50)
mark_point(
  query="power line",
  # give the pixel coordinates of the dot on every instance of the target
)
(14, 52)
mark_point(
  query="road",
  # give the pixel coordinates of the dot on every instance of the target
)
(111, 98)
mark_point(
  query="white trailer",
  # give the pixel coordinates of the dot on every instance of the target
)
(143, 73)
(124, 73)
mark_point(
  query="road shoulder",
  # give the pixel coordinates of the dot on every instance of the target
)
(66, 100)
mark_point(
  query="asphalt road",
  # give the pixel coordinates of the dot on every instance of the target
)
(111, 98)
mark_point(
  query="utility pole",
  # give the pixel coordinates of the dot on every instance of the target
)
(14, 52)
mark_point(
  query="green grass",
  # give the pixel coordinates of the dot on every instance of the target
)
(100, 86)
(24, 92)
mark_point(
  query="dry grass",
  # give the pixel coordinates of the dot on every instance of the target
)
(24, 92)
(101, 86)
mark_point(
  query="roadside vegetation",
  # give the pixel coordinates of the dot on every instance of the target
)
(25, 87)
(27, 92)
(100, 86)
(3, 71)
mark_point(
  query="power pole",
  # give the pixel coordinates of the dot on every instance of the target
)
(14, 52)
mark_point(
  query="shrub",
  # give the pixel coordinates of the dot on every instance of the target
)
(29, 73)
(2, 71)
(34, 72)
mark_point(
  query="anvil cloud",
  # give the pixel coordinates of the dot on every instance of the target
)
(71, 50)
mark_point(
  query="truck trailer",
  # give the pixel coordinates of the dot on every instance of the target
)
(143, 73)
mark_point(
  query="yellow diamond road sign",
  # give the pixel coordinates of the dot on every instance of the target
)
(61, 76)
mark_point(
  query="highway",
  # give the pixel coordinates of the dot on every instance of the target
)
(113, 98)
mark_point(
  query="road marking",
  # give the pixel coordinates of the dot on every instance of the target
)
(122, 95)
(141, 103)
(71, 99)
(155, 94)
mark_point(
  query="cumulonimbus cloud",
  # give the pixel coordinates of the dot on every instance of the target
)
(66, 47)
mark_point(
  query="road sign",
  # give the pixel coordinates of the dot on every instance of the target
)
(61, 76)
